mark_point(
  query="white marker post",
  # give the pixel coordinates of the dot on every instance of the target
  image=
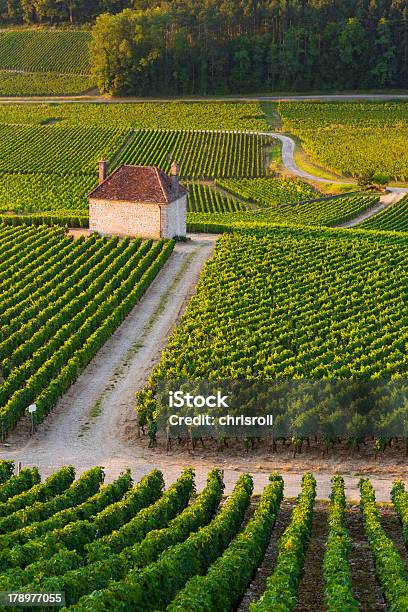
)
(32, 409)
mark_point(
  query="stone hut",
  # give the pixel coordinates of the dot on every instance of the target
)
(138, 201)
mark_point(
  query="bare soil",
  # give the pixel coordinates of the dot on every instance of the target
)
(311, 588)
(266, 568)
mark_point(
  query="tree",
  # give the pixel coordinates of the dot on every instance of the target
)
(353, 54)
(384, 69)
(125, 48)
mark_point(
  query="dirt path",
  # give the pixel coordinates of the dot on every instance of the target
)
(311, 588)
(288, 160)
(90, 422)
(385, 201)
(265, 569)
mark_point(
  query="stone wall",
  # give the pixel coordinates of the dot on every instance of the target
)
(135, 219)
(125, 218)
(174, 218)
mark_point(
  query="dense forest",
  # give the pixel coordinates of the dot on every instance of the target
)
(149, 47)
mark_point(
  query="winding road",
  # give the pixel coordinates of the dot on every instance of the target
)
(393, 195)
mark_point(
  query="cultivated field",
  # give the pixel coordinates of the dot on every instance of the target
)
(60, 302)
(296, 304)
(394, 217)
(277, 303)
(41, 63)
(350, 138)
(321, 212)
(270, 192)
(166, 115)
(66, 52)
(50, 153)
(121, 544)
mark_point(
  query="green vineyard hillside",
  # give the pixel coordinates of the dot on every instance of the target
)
(292, 304)
(352, 138)
(124, 544)
(393, 218)
(60, 301)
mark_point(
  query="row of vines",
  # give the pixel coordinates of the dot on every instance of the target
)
(300, 305)
(60, 300)
(120, 545)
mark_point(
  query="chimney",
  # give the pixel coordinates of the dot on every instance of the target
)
(103, 170)
(174, 172)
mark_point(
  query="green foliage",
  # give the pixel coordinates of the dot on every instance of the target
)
(390, 569)
(96, 575)
(269, 192)
(6, 470)
(132, 530)
(56, 149)
(322, 212)
(66, 52)
(44, 192)
(155, 586)
(228, 577)
(356, 139)
(205, 199)
(68, 297)
(201, 154)
(107, 495)
(292, 303)
(165, 50)
(336, 569)
(381, 179)
(392, 218)
(87, 485)
(175, 115)
(41, 492)
(400, 502)
(50, 152)
(79, 529)
(282, 585)
(63, 218)
(20, 84)
(19, 483)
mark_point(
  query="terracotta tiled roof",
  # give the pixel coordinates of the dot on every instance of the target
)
(137, 184)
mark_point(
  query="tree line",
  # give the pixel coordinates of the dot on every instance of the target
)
(154, 47)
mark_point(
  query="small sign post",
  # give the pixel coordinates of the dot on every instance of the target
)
(32, 409)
